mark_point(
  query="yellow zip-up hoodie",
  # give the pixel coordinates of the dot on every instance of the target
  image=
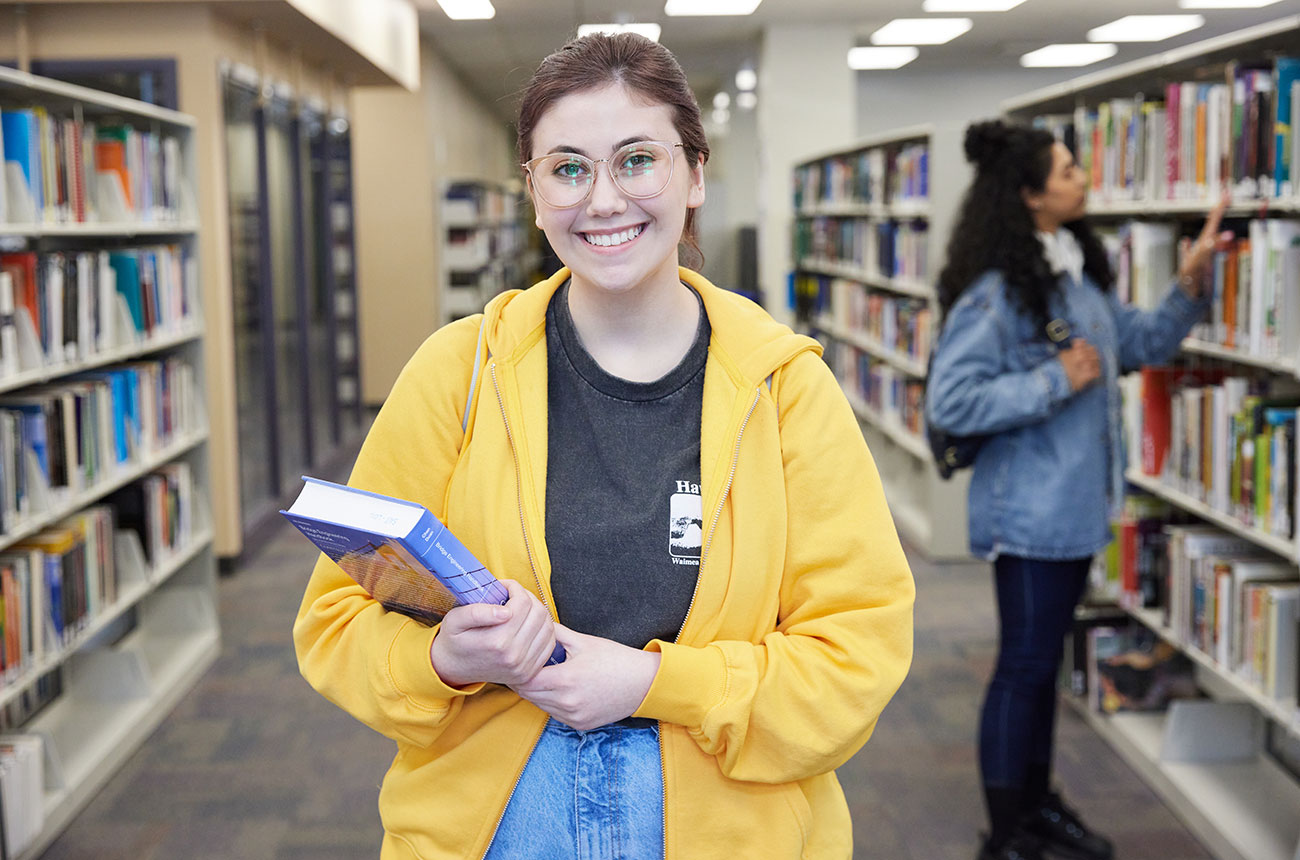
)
(799, 633)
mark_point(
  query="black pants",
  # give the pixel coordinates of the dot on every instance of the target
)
(1036, 601)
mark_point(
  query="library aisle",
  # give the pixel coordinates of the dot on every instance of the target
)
(254, 764)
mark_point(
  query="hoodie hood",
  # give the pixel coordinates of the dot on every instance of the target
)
(750, 345)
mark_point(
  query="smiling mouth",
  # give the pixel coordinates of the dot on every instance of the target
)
(610, 240)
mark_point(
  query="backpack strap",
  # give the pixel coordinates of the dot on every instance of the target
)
(473, 379)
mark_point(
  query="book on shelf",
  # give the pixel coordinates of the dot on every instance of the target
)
(22, 163)
(1132, 669)
(159, 509)
(1185, 141)
(396, 550)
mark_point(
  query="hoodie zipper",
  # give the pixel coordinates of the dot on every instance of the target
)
(717, 515)
(528, 548)
(519, 491)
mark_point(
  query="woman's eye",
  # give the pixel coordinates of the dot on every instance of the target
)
(571, 169)
(637, 160)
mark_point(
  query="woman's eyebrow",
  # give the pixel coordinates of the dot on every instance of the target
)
(564, 147)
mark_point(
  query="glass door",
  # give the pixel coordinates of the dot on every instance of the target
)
(342, 255)
(281, 260)
(318, 288)
(254, 349)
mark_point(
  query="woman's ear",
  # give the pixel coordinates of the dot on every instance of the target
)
(695, 195)
(532, 200)
(1033, 199)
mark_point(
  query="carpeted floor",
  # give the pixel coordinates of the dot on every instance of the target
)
(254, 765)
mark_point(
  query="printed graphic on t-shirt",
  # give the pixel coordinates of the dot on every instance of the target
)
(685, 524)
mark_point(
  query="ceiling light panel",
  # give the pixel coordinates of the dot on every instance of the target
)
(920, 31)
(1061, 56)
(711, 7)
(969, 5)
(468, 10)
(650, 31)
(1145, 28)
(866, 59)
(1225, 4)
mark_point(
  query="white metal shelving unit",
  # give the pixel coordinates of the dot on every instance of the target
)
(928, 511)
(491, 253)
(1207, 759)
(131, 663)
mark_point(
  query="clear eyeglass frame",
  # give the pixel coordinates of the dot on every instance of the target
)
(592, 163)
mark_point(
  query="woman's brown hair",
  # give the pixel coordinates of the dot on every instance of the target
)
(644, 67)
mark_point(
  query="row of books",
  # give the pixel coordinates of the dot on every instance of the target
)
(871, 176)
(53, 584)
(57, 582)
(58, 440)
(68, 302)
(894, 396)
(880, 249)
(1220, 439)
(1193, 138)
(901, 324)
(1257, 292)
(64, 170)
(1256, 281)
(1216, 592)
(467, 203)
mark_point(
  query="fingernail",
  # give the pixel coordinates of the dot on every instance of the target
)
(500, 613)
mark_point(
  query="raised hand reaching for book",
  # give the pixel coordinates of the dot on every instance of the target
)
(600, 682)
(497, 644)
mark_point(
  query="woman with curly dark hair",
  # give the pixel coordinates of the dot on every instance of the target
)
(1033, 344)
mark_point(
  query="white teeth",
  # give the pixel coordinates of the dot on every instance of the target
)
(605, 240)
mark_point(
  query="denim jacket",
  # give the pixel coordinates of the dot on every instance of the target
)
(1044, 484)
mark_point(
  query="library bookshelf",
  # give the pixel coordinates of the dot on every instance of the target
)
(136, 604)
(869, 226)
(483, 247)
(1153, 171)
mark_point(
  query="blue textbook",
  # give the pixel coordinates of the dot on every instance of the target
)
(396, 550)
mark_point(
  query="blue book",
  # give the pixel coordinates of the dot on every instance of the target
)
(55, 596)
(35, 433)
(1286, 72)
(396, 550)
(22, 146)
(126, 268)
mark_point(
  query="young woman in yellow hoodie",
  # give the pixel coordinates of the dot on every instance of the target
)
(674, 488)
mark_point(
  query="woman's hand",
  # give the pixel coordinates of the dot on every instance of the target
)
(600, 682)
(497, 644)
(1194, 273)
(1082, 364)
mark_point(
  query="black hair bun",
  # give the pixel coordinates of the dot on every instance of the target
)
(987, 141)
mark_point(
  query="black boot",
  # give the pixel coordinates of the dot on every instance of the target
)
(1021, 846)
(1063, 833)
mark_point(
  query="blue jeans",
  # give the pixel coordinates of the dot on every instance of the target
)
(596, 795)
(1036, 600)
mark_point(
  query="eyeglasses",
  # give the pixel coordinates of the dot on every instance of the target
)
(639, 170)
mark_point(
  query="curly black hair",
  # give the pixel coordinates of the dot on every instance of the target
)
(994, 228)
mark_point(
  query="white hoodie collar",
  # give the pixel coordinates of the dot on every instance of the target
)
(1063, 253)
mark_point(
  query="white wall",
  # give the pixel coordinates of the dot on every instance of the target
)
(805, 104)
(896, 99)
(731, 195)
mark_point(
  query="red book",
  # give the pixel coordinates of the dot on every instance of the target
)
(1156, 385)
(22, 268)
(1128, 568)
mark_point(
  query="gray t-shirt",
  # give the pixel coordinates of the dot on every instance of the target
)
(623, 511)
